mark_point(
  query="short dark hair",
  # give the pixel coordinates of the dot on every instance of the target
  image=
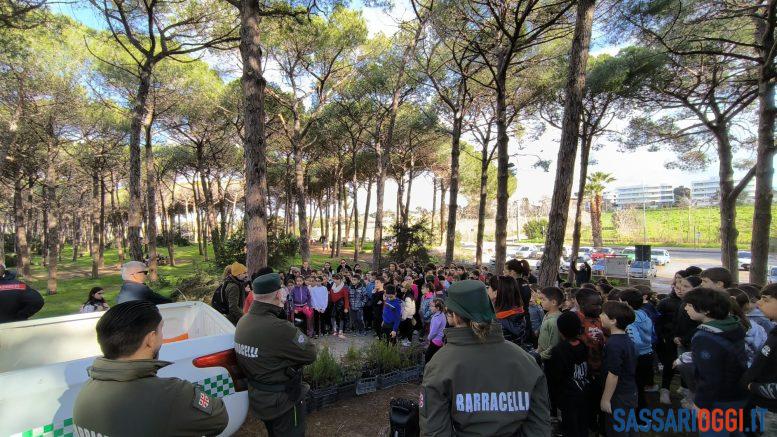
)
(584, 294)
(554, 294)
(632, 297)
(514, 265)
(770, 290)
(620, 312)
(589, 286)
(694, 280)
(693, 271)
(605, 287)
(569, 325)
(718, 274)
(716, 304)
(390, 289)
(121, 330)
(752, 291)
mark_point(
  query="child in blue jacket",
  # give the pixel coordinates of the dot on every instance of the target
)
(392, 314)
(641, 333)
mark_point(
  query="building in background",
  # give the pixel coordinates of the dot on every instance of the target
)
(707, 192)
(652, 196)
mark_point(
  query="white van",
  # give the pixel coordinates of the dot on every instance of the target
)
(43, 366)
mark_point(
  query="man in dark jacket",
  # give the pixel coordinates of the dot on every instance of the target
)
(124, 396)
(271, 352)
(134, 288)
(17, 300)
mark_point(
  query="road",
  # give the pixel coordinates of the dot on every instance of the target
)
(682, 257)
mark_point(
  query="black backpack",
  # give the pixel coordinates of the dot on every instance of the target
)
(219, 301)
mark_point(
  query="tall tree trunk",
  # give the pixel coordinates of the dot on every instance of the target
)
(355, 220)
(139, 122)
(443, 190)
(567, 152)
(96, 231)
(348, 215)
(341, 210)
(434, 204)
(77, 237)
(502, 175)
(328, 214)
(21, 229)
(254, 137)
(52, 225)
(584, 152)
(366, 213)
(453, 185)
(101, 223)
(210, 213)
(222, 210)
(118, 223)
(400, 219)
(170, 243)
(380, 185)
(299, 188)
(202, 242)
(406, 214)
(151, 209)
(596, 220)
(728, 202)
(764, 167)
(482, 203)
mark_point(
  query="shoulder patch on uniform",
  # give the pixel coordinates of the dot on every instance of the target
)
(202, 401)
(766, 350)
(301, 338)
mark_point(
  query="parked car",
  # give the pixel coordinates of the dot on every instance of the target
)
(579, 263)
(44, 362)
(599, 266)
(744, 260)
(524, 251)
(604, 252)
(772, 278)
(660, 256)
(629, 252)
(642, 269)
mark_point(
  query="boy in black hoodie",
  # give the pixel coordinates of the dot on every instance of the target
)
(761, 378)
(718, 350)
(568, 368)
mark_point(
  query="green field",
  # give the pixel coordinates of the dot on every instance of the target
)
(75, 282)
(679, 227)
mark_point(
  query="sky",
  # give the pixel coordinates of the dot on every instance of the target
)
(628, 168)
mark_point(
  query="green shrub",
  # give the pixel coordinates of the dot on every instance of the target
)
(280, 247)
(352, 363)
(535, 229)
(411, 241)
(324, 372)
(383, 357)
(176, 235)
(11, 260)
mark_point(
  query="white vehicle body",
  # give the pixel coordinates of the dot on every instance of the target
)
(772, 278)
(642, 269)
(43, 366)
(743, 260)
(524, 251)
(660, 256)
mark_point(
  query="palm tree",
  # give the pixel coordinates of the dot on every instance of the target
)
(594, 188)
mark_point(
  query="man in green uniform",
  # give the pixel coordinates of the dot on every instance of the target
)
(272, 352)
(478, 384)
(124, 397)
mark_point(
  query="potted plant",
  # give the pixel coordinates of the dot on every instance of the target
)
(323, 375)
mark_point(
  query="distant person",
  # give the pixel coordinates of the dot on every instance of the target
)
(17, 300)
(248, 288)
(95, 302)
(134, 274)
(229, 298)
(436, 328)
(124, 395)
(467, 382)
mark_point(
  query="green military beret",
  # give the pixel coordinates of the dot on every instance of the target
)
(469, 299)
(266, 284)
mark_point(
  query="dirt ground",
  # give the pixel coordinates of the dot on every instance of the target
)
(362, 416)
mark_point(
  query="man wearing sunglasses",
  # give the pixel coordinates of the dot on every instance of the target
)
(134, 274)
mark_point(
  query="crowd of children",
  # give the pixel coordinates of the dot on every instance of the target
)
(600, 346)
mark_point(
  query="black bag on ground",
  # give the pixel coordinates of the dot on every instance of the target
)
(403, 418)
(219, 301)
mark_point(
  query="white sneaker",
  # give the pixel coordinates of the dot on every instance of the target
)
(405, 343)
(664, 397)
(651, 388)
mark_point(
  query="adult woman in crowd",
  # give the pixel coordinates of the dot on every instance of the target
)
(506, 297)
(95, 302)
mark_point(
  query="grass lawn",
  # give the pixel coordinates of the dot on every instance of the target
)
(74, 278)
